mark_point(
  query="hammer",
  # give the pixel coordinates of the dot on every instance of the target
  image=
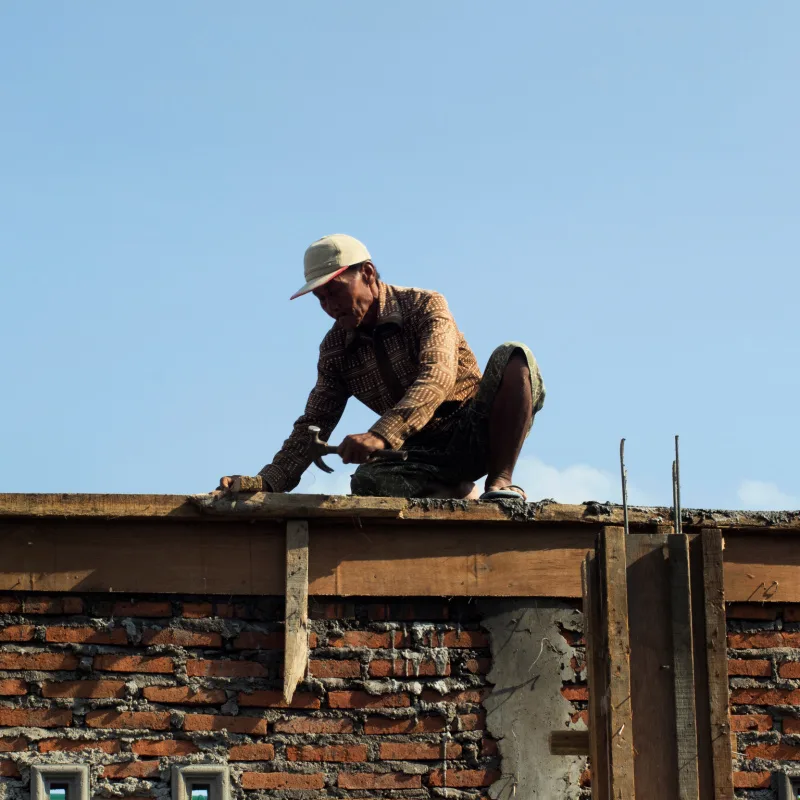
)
(318, 448)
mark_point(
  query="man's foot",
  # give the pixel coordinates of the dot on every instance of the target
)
(499, 491)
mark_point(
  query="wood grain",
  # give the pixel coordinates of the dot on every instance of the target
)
(296, 651)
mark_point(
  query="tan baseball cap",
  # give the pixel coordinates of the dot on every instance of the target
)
(328, 257)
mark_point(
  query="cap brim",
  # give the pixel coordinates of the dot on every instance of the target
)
(316, 283)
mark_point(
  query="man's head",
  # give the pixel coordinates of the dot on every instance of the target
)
(340, 273)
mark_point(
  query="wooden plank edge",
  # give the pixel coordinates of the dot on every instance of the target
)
(569, 743)
(295, 661)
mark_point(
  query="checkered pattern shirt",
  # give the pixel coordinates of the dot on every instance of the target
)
(413, 361)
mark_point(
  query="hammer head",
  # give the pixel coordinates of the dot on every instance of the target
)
(318, 448)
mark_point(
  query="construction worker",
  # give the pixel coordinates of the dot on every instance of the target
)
(400, 352)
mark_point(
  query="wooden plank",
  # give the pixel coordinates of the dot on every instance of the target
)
(717, 659)
(683, 667)
(761, 567)
(597, 676)
(569, 743)
(262, 505)
(426, 559)
(296, 651)
(651, 666)
(614, 591)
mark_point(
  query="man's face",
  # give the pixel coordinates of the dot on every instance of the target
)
(347, 298)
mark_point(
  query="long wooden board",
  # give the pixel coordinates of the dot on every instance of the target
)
(295, 660)
(378, 558)
(299, 506)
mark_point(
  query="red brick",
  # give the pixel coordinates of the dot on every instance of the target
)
(752, 780)
(308, 725)
(349, 699)
(779, 752)
(251, 752)
(142, 608)
(753, 667)
(210, 722)
(791, 613)
(401, 668)
(35, 718)
(9, 605)
(458, 639)
(574, 638)
(489, 748)
(16, 633)
(472, 722)
(335, 668)
(255, 640)
(387, 725)
(418, 751)
(13, 745)
(765, 697)
(181, 637)
(580, 716)
(575, 693)
(478, 666)
(379, 780)
(184, 695)
(474, 696)
(331, 611)
(791, 725)
(8, 769)
(361, 639)
(282, 780)
(226, 669)
(745, 641)
(408, 612)
(791, 669)
(103, 689)
(131, 769)
(464, 778)
(751, 611)
(12, 686)
(151, 720)
(123, 663)
(53, 605)
(77, 745)
(43, 662)
(164, 747)
(274, 699)
(586, 778)
(86, 635)
(331, 752)
(197, 610)
(751, 722)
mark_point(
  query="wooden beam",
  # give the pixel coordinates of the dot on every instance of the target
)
(683, 667)
(569, 743)
(717, 659)
(296, 651)
(614, 591)
(597, 675)
(263, 505)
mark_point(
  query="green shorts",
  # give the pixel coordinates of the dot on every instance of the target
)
(454, 451)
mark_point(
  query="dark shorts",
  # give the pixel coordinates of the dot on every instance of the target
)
(456, 450)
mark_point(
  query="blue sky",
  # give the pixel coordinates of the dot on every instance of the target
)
(615, 184)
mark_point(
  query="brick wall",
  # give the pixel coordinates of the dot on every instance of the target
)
(764, 669)
(135, 685)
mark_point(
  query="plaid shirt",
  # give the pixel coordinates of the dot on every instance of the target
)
(413, 361)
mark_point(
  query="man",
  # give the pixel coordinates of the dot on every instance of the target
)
(399, 351)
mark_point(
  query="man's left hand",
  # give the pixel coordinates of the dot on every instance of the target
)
(358, 447)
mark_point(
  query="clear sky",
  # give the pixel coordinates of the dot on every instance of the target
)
(616, 184)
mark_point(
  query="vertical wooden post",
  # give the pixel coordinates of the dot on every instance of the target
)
(614, 590)
(717, 657)
(296, 652)
(597, 668)
(683, 667)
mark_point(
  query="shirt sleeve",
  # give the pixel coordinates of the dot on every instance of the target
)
(324, 408)
(438, 370)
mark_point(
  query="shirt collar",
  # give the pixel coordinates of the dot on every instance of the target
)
(389, 314)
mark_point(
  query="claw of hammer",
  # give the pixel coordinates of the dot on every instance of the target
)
(318, 448)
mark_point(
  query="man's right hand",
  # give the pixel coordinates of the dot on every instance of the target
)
(230, 483)
(225, 483)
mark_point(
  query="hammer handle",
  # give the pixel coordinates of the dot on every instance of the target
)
(383, 455)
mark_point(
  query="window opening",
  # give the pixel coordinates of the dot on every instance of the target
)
(60, 791)
(199, 791)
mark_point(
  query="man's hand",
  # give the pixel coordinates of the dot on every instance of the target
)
(226, 483)
(358, 447)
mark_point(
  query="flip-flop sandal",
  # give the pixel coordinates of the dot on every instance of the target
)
(509, 493)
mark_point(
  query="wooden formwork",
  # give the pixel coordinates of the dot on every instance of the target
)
(657, 667)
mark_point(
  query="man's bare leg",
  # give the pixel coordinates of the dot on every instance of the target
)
(509, 422)
(466, 490)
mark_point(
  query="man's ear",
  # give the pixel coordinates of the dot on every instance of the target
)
(368, 272)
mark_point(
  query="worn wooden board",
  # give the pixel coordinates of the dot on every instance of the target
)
(569, 743)
(597, 674)
(717, 659)
(296, 650)
(683, 667)
(263, 505)
(614, 591)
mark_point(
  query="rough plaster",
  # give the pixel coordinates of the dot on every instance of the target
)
(528, 659)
